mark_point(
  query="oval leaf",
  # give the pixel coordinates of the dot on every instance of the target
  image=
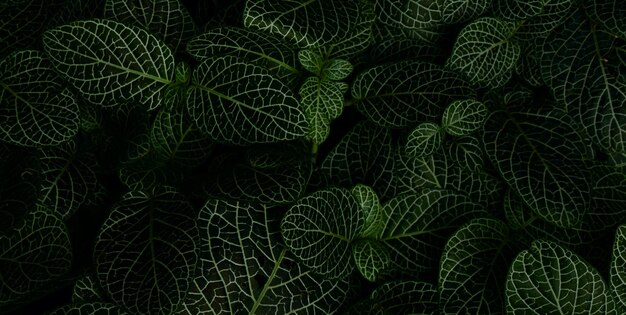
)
(463, 117)
(424, 140)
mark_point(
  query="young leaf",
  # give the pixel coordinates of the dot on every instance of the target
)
(463, 117)
(424, 140)
(33, 255)
(228, 104)
(111, 63)
(371, 258)
(168, 19)
(336, 69)
(245, 269)
(311, 60)
(35, 109)
(323, 102)
(319, 230)
(541, 157)
(549, 279)
(371, 209)
(146, 251)
(484, 52)
(404, 93)
(87, 289)
(471, 273)
(618, 269)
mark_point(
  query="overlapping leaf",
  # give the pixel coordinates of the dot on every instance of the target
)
(35, 109)
(537, 152)
(400, 297)
(32, 256)
(146, 251)
(396, 49)
(371, 258)
(322, 101)
(539, 17)
(246, 270)
(227, 104)
(169, 20)
(266, 50)
(618, 269)
(404, 93)
(549, 279)
(458, 11)
(463, 117)
(111, 63)
(467, 152)
(319, 229)
(424, 140)
(372, 212)
(470, 272)
(412, 14)
(87, 289)
(485, 53)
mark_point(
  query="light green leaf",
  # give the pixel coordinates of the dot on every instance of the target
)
(262, 49)
(89, 308)
(485, 53)
(618, 269)
(35, 109)
(111, 63)
(227, 104)
(371, 258)
(87, 289)
(404, 93)
(424, 140)
(146, 254)
(169, 20)
(541, 157)
(245, 268)
(471, 269)
(310, 23)
(463, 117)
(319, 230)
(372, 211)
(323, 102)
(183, 72)
(32, 256)
(549, 279)
(417, 225)
(311, 60)
(336, 69)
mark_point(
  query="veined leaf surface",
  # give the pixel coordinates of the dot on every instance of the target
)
(463, 117)
(111, 63)
(322, 101)
(424, 140)
(618, 269)
(227, 103)
(90, 308)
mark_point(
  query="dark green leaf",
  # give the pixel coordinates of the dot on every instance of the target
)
(424, 140)
(463, 117)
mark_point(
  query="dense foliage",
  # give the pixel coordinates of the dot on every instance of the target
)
(313, 157)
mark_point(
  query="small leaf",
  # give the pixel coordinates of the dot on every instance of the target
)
(336, 69)
(484, 52)
(371, 258)
(311, 60)
(87, 289)
(424, 140)
(323, 102)
(463, 117)
(371, 209)
(319, 229)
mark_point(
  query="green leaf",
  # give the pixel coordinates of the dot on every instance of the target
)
(396, 49)
(371, 258)
(610, 13)
(618, 269)
(245, 268)
(323, 102)
(311, 60)
(404, 93)
(549, 279)
(401, 297)
(35, 109)
(580, 64)
(467, 151)
(32, 256)
(87, 289)
(515, 10)
(463, 117)
(183, 72)
(169, 20)
(266, 50)
(484, 52)
(539, 17)
(89, 308)
(424, 140)
(319, 230)
(111, 63)
(417, 224)
(227, 104)
(541, 157)
(371, 209)
(146, 254)
(309, 23)
(471, 273)
(459, 11)
(336, 69)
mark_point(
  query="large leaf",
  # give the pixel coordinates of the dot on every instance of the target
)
(400, 297)
(471, 274)
(227, 104)
(169, 20)
(146, 251)
(320, 228)
(96, 308)
(618, 269)
(417, 224)
(538, 17)
(266, 50)
(581, 64)
(32, 256)
(549, 279)
(541, 157)
(611, 14)
(403, 93)
(111, 63)
(245, 269)
(485, 53)
(35, 109)
(322, 101)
